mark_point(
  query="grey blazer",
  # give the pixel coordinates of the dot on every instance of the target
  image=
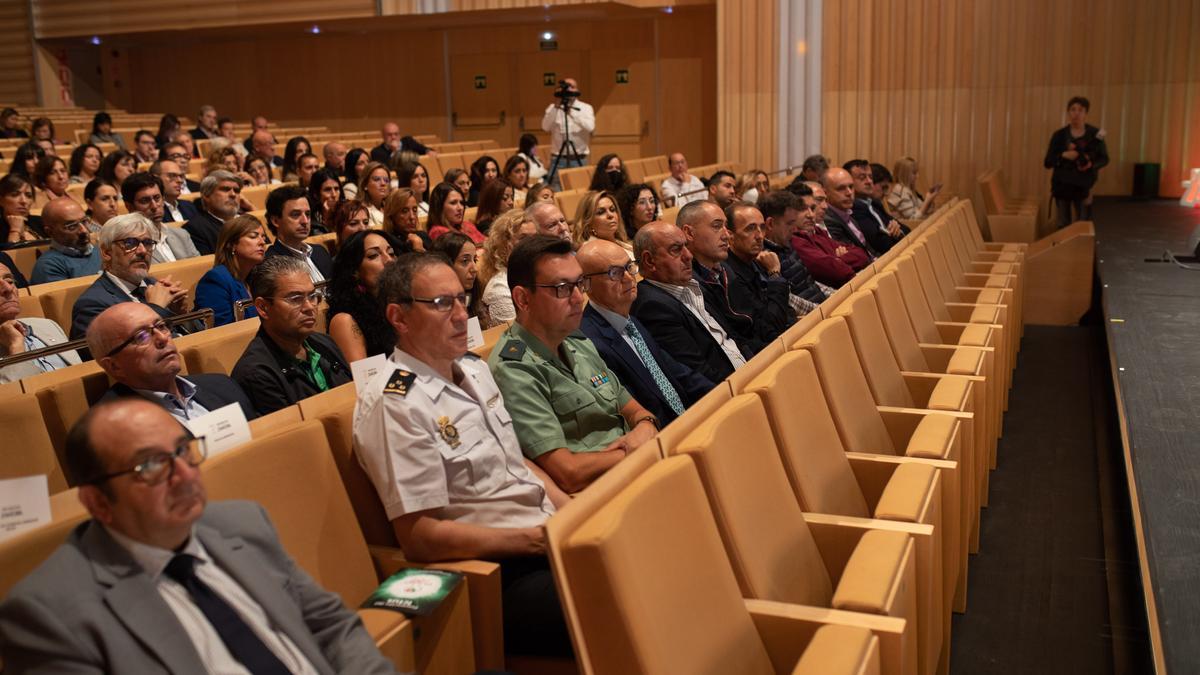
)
(47, 331)
(180, 243)
(91, 609)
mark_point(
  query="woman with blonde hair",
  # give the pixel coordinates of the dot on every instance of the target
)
(401, 217)
(752, 185)
(507, 229)
(903, 199)
(599, 217)
(374, 184)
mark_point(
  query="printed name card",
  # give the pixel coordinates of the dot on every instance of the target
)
(24, 504)
(363, 370)
(474, 333)
(223, 429)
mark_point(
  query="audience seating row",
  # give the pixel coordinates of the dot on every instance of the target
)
(1006, 218)
(846, 531)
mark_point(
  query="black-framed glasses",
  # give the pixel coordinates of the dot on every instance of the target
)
(298, 299)
(617, 272)
(563, 289)
(131, 244)
(442, 303)
(160, 466)
(74, 225)
(142, 335)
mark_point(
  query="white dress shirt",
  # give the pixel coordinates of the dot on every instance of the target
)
(677, 189)
(583, 123)
(693, 299)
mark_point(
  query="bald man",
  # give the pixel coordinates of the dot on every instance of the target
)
(382, 153)
(133, 344)
(71, 253)
(839, 218)
(659, 382)
(263, 143)
(335, 157)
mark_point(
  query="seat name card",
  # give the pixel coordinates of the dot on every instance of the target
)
(24, 504)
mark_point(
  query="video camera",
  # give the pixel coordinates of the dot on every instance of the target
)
(565, 92)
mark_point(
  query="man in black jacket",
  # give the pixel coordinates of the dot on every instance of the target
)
(289, 217)
(781, 219)
(671, 305)
(133, 344)
(881, 230)
(1077, 152)
(756, 283)
(289, 360)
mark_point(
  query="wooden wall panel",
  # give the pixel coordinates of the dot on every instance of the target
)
(965, 86)
(18, 84)
(748, 83)
(70, 18)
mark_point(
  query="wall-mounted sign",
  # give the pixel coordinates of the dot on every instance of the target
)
(549, 45)
(622, 76)
(549, 80)
(481, 82)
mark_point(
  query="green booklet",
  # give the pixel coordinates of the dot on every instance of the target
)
(413, 591)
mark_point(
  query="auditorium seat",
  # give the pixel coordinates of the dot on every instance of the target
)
(22, 553)
(867, 427)
(576, 178)
(490, 337)
(25, 257)
(271, 423)
(64, 395)
(1007, 218)
(828, 479)
(782, 553)
(568, 201)
(292, 476)
(334, 409)
(218, 349)
(31, 306)
(256, 195)
(28, 450)
(654, 593)
(58, 297)
(673, 433)
(996, 287)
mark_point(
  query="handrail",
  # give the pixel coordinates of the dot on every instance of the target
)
(204, 314)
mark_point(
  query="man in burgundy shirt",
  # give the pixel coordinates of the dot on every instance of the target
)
(830, 262)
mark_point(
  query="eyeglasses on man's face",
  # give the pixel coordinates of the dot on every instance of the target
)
(142, 336)
(563, 289)
(617, 272)
(131, 244)
(298, 299)
(160, 466)
(441, 303)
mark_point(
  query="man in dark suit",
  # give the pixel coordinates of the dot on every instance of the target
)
(877, 226)
(178, 153)
(206, 124)
(657, 381)
(126, 246)
(382, 153)
(671, 306)
(133, 345)
(159, 581)
(263, 143)
(175, 210)
(290, 219)
(839, 217)
(220, 198)
(756, 283)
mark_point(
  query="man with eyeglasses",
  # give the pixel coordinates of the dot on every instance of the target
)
(289, 360)
(174, 151)
(71, 254)
(220, 200)
(571, 413)
(143, 193)
(175, 210)
(145, 149)
(289, 218)
(670, 304)
(126, 244)
(134, 346)
(434, 434)
(655, 379)
(159, 580)
(756, 284)
(18, 335)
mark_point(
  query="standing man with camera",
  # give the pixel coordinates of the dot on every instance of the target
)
(1077, 152)
(570, 123)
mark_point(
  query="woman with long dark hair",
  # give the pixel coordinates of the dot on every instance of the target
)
(117, 166)
(102, 131)
(459, 251)
(85, 163)
(356, 161)
(357, 321)
(25, 160)
(413, 175)
(447, 211)
(296, 146)
(483, 171)
(610, 174)
(528, 150)
(638, 204)
(516, 172)
(168, 126)
(496, 198)
(324, 195)
(16, 198)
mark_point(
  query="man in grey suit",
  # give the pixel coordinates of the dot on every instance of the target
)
(143, 194)
(157, 583)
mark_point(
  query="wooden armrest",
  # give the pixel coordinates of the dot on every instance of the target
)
(393, 635)
(838, 536)
(787, 629)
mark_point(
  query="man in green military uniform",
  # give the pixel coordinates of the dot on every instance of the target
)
(571, 414)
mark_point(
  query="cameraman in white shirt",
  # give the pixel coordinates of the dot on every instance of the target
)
(576, 124)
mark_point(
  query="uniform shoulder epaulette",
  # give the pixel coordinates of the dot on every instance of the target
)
(513, 350)
(400, 382)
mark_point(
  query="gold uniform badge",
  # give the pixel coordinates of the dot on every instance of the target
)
(448, 431)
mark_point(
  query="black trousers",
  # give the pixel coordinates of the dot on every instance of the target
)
(533, 617)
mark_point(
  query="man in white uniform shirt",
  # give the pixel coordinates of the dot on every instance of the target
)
(581, 119)
(432, 432)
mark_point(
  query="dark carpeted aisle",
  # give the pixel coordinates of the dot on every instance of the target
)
(1038, 596)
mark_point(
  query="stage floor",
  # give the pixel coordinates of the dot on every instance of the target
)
(1152, 317)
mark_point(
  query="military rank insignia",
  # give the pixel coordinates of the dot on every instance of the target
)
(448, 431)
(513, 350)
(600, 380)
(399, 382)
